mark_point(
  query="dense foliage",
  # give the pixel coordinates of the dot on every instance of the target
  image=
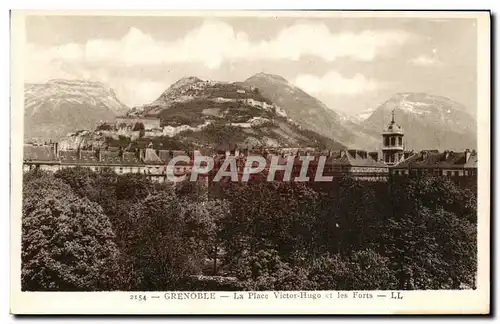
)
(67, 241)
(88, 231)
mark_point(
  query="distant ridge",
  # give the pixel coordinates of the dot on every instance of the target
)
(309, 112)
(59, 106)
(429, 121)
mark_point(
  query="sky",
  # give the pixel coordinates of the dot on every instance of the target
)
(350, 64)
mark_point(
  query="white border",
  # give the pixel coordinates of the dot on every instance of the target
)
(442, 301)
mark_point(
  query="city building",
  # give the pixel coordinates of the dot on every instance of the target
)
(150, 123)
(392, 143)
(43, 157)
(360, 164)
(147, 161)
(447, 163)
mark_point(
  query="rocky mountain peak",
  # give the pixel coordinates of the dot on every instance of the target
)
(76, 83)
(269, 76)
(185, 81)
(59, 106)
(430, 121)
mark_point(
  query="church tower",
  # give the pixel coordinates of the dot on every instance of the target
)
(392, 146)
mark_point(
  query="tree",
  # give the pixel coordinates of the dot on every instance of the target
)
(431, 234)
(67, 241)
(133, 187)
(171, 238)
(104, 126)
(364, 270)
(265, 270)
(354, 215)
(432, 249)
(408, 233)
(203, 224)
(138, 126)
(99, 187)
(368, 270)
(275, 215)
(329, 272)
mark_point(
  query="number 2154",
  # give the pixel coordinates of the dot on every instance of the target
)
(138, 297)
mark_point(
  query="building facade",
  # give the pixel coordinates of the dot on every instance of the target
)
(447, 163)
(149, 123)
(149, 162)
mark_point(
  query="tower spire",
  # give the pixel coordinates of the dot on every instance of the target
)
(392, 121)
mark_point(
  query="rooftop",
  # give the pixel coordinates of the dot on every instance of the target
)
(39, 153)
(435, 159)
(360, 158)
(393, 128)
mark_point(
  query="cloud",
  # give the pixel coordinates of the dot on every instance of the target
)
(133, 90)
(424, 60)
(137, 91)
(208, 45)
(215, 41)
(333, 83)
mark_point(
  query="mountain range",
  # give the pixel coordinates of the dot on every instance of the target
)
(263, 110)
(58, 107)
(214, 112)
(429, 122)
(311, 113)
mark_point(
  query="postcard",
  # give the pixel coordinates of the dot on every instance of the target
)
(250, 162)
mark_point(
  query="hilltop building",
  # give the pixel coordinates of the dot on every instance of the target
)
(149, 123)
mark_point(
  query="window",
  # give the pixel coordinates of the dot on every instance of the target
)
(121, 170)
(400, 141)
(386, 141)
(393, 141)
(396, 172)
(456, 173)
(448, 173)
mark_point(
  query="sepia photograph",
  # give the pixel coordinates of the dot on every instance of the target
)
(300, 157)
